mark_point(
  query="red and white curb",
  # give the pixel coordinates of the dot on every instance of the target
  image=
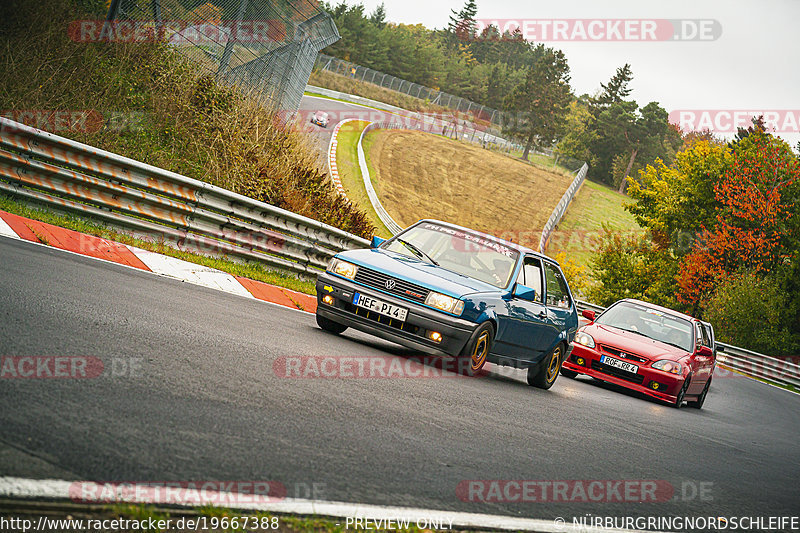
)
(17, 227)
(333, 169)
(53, 489)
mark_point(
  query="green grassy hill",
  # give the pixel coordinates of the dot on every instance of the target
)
(148, 102)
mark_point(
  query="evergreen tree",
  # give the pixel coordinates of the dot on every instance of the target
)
(462, 24)
(378, 17)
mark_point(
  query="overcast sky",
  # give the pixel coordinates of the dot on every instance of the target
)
(753, 65)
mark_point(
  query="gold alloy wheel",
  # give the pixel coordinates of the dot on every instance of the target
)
(480, 352)
(552, 367)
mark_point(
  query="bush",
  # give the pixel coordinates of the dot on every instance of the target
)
(172, 113)
(632, 267)
(754, 313)
(577, 274)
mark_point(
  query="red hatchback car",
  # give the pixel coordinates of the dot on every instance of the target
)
(647, 348)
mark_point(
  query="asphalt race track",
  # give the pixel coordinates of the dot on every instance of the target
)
(337, 111)
(205, 404)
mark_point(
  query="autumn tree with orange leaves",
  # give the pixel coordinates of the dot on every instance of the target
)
(722, 242)
(754, 230)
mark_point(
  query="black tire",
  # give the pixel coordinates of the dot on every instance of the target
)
(698, 404)
(329, 325)
(682, 393)
(474, 354)
(544, 376)
(568, 373)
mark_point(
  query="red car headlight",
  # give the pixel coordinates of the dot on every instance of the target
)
(584, 339)
(668, 366)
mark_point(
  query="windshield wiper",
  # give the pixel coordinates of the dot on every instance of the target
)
(634, 331)
(419, 253)
(673, 344)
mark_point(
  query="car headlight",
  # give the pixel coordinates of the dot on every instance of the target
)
(445, 303)
(343, 268)
(584, 339)
(668, 366)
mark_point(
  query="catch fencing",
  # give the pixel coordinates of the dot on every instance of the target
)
(266, 47)
(159, 205)
(561, 208)
(434, 96)
(773, 370)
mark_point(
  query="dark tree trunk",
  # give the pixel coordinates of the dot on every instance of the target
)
(624, 184)
(528, 145)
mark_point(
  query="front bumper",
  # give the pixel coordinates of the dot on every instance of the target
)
(668, 384)
(411, 333)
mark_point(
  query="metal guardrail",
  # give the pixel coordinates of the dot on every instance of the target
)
(561, 208)
(387, 220)
(155, 203)
(773, 370)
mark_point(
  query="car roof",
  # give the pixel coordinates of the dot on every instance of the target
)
(509, 244)
(662, 309)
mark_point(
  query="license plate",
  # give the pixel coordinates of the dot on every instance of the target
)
(622, 365)
(383, 308)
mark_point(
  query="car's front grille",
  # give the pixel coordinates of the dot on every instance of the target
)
(622, 355)
(617, 373)
(404, 289)
(382, 319)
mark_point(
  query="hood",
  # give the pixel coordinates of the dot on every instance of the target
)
(416, 271)
(634, 343)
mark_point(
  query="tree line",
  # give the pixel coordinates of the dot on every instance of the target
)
(722, 239)
(528, 81)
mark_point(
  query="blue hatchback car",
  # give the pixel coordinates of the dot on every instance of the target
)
(443, 289)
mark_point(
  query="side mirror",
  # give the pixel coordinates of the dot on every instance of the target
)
(588, 314)
(376, 241)
(524, 292)
(704, 351)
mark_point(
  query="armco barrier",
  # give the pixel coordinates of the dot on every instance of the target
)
(387, 220)
(561, 208)
(155, 203)
(752, 364)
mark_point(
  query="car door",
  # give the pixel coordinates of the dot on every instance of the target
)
(702, 365)
(706, 363)
(560, 307)
(525, 328)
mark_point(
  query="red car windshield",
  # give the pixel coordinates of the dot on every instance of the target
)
(649, 322)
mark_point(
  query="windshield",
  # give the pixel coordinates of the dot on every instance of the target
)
(461, 252)
(649, 322)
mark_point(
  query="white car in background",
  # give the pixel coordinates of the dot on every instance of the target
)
(320, 118)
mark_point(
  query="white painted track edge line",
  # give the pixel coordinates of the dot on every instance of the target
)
(55, 489)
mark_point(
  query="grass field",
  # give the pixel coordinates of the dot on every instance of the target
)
(594, 206)
(350, 173)
(419, 175)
